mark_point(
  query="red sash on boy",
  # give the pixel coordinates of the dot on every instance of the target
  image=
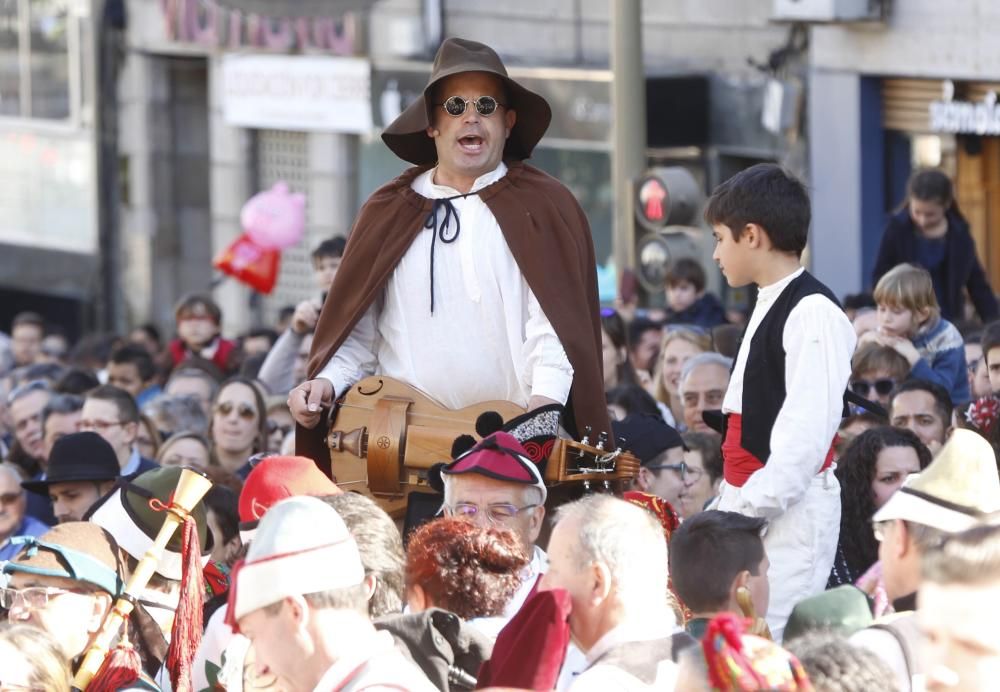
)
(738, 463)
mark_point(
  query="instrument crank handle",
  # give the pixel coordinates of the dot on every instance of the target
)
(354, 442)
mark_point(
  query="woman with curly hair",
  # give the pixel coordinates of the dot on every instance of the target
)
(472, 571)
(872, 468)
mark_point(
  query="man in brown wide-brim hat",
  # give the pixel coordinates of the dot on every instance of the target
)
(472, 275)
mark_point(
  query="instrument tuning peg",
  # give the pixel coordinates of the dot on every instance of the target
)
(601, 440)
(586, 435)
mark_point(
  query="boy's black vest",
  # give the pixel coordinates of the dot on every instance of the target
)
(764, 377)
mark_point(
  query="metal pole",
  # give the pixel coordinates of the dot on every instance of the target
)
(628, 98)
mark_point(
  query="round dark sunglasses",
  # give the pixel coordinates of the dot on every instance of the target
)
(485, 105)
(882, 386)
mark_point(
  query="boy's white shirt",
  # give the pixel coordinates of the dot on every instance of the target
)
(819, 341)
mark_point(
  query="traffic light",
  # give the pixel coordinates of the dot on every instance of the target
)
(667, 203)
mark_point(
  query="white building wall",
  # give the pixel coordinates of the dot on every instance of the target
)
(947, 39)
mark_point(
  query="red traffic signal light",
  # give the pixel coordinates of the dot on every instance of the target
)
(668, 196)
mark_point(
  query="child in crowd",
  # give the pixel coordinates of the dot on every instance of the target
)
(687, 301)
(875, 372)
(991, 354)
(131, 368)
(199, 323)
(785, 398)
(277, 370)
(712, 556)
(910, 322)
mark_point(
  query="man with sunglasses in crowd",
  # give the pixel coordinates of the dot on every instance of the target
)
(471, 276)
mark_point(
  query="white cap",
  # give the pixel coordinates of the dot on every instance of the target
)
(302, 546)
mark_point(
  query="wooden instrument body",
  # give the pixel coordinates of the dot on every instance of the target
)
(385, 435)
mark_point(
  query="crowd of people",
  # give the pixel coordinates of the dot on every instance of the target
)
(817, 504)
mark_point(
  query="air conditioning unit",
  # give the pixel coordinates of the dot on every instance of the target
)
(827, 10)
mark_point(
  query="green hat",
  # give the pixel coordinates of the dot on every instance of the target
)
(843, 610)
(134, 514)
(76, 550)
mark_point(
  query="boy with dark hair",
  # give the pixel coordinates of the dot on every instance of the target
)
(687, 302)
(785, 397)
(131, 368)
(326, 260)
(712, 556)
(276, 370)
(199, 322)
(991, 353)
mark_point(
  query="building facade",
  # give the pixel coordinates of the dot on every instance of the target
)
(194, 146)
(918, 89)
(50, 244)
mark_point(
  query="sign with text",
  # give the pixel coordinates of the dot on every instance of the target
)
(307, 93)
(965, 117)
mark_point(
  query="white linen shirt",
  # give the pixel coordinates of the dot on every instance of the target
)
(487, 338)
(818, 340)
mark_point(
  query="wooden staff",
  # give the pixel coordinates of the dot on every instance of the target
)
(191, 487)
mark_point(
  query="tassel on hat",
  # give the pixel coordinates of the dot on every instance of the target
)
(186, 633)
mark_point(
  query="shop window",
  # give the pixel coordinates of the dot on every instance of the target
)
(37, 74)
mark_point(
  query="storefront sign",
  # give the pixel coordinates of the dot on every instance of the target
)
(308, 93)
(965, 117)
(208, 23)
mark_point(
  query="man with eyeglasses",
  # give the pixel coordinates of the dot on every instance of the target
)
(660, 450)
(14, 520)
(112, 413)
(471, 276)
(65, 583)
(496, 483)
(702, 387)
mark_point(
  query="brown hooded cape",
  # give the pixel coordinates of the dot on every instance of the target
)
(549, 237)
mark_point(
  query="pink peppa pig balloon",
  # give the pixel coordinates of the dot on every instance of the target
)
(275, 218)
